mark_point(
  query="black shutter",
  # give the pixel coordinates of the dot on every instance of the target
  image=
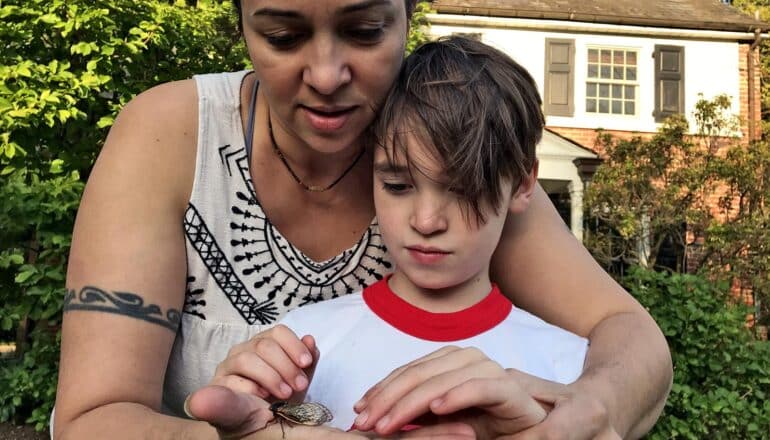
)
(669, 81)
(559, 87)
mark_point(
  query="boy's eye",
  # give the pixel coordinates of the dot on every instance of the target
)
(396, 188)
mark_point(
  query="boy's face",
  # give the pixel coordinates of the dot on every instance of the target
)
(434, 240)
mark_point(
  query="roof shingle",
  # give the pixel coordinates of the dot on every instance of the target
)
(685, 14)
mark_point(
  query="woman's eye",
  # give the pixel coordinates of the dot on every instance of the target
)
(396, 188)
(366, 34)
(284, 40)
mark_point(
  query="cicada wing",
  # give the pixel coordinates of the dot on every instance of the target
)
(308, 413)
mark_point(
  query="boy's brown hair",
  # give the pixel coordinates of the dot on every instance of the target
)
(475, 108)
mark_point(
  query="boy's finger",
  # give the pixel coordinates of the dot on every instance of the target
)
(295, 348)
(395, 374)
(409, 380)
(418, 399)
(266, 371)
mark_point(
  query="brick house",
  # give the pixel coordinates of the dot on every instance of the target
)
(619, 65)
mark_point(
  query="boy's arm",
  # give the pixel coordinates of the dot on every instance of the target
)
(543, 269)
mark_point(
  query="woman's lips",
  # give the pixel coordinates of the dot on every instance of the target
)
(427, 255)
(328, 119)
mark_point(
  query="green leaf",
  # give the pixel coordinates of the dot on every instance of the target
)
(23, 276)
(56, 166)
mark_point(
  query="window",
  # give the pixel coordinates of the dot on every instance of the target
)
(611, 85)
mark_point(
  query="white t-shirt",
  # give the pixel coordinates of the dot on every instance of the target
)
(363, 337)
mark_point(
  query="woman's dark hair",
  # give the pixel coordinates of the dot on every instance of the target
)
(475, 109)
(410, 4)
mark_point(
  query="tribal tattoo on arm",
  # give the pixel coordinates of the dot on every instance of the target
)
(120, 303)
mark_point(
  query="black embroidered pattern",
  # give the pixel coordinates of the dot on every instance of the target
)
(120, 303)
(192, 304)
(252, 310)
(258, 270)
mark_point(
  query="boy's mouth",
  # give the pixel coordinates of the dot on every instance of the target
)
(427, 254)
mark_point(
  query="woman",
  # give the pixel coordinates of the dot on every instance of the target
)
(259, 225)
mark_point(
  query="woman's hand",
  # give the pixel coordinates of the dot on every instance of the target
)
(238, 415)
(459, 384)
(273, 363)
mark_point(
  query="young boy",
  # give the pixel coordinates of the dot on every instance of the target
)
(455, 154)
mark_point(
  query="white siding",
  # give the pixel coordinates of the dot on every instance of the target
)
(711, 68)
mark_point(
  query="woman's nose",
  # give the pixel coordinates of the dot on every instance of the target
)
(327, 69)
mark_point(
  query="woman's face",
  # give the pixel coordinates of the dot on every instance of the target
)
(325, 65)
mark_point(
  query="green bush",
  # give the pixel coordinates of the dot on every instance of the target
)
(721, 373)
(66, 68)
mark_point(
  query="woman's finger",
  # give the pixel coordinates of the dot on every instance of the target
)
(232, 413)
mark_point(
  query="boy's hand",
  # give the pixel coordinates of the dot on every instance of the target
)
(273, 363)
(244, 416)
(444, 383)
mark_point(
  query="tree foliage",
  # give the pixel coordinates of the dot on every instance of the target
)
(66, 69)
(721, 384)
(707, 193)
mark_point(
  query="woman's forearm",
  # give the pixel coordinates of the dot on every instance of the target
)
(629, 369)
(133, 421)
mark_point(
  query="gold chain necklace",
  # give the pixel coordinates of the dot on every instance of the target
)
(311, 188)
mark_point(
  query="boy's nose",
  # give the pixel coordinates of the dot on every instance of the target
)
(327, 68)
(429, 218)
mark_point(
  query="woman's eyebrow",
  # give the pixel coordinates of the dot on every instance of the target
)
(364, 5)
(273, 12)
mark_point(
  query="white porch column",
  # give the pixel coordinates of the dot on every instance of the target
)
(576, 208)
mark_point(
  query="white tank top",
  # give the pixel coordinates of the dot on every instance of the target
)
(242, 274)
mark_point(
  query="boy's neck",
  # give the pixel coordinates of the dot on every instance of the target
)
(445, 300)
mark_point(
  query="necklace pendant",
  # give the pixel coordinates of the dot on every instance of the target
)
(315, 188)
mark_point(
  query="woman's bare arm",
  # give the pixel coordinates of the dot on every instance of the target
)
(128, 240)
(543, 269)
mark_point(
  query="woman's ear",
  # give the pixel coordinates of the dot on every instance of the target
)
(523, 194)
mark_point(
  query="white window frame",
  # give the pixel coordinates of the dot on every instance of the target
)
(610, 82)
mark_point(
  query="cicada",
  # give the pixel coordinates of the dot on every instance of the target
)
(308, 413)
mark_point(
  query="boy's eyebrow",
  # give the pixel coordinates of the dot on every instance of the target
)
(388, 168)
(274, 12)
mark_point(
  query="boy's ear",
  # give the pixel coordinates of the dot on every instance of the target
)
(523, 194)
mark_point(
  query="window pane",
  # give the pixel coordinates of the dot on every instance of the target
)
(593, 71)
(617, 91)
(604, 106)
(617, 72)
(606, 56)
(630, 92)
(604, 90)
(617, 57)
(630, 108)
(591, 89)
(591, 105)
(593, 56)
(606, 72)
(617, 107)
(631, 73)
(631, 58)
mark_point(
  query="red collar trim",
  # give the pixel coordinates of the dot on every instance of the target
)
(438, 327)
